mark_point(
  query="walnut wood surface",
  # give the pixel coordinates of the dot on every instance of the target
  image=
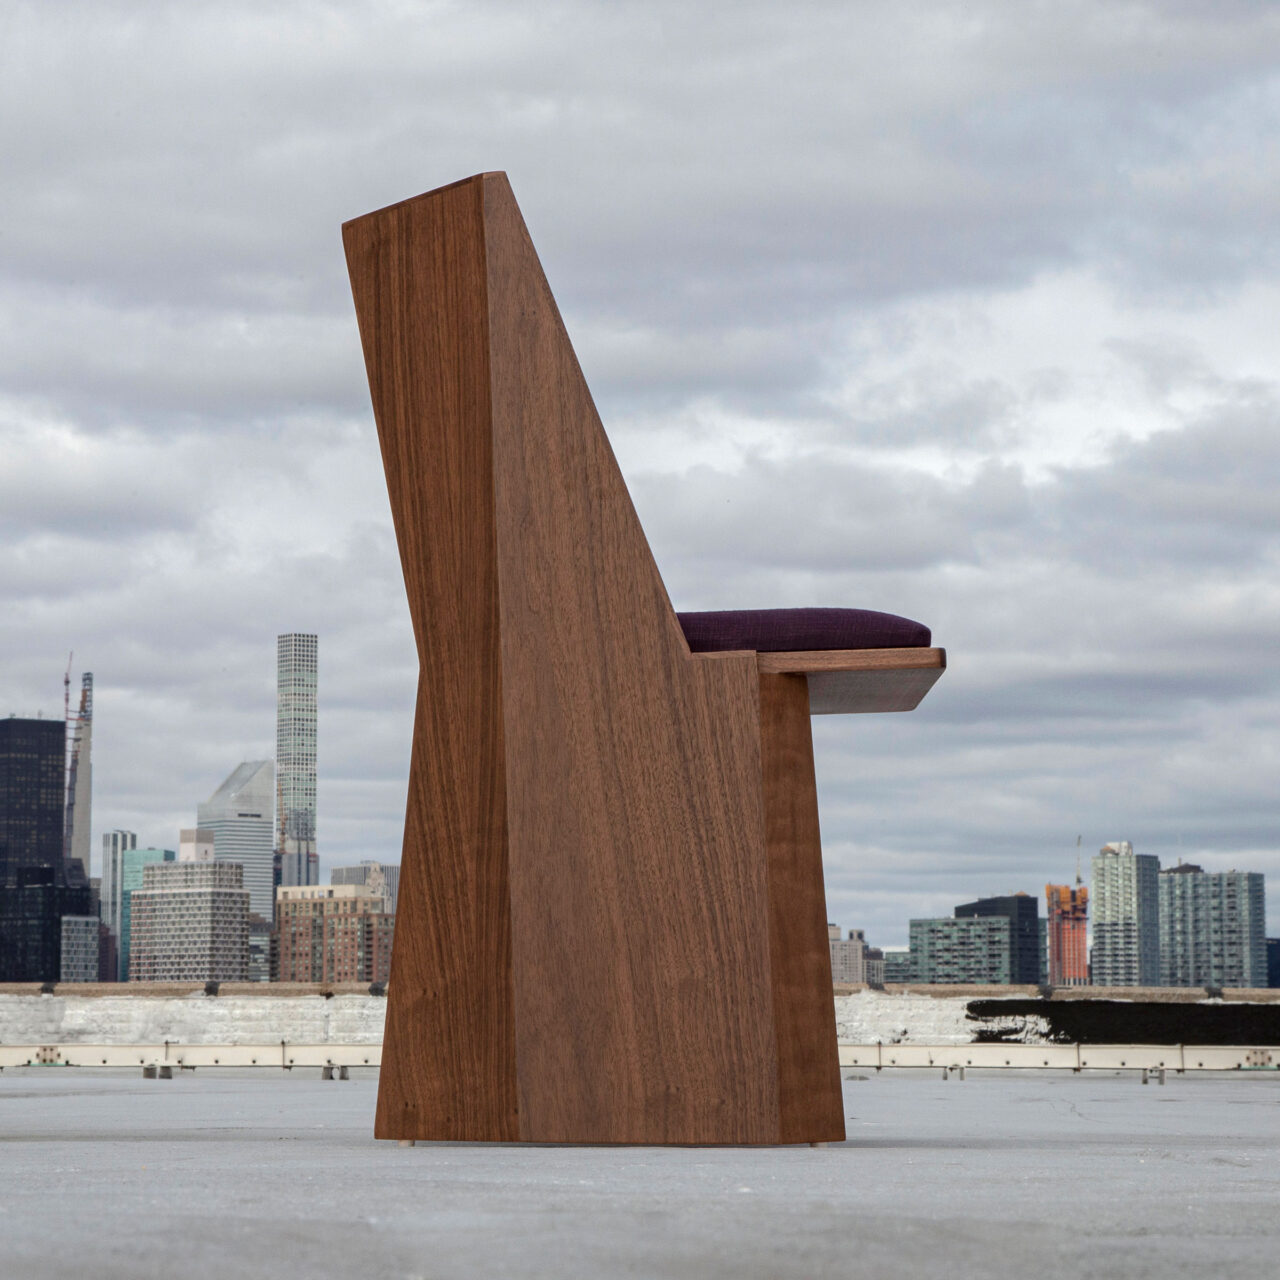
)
(638, 879)
(861, 680)
(584, 949)
(417, 273)
(809, 1099)
(852, 660)
(612, 925)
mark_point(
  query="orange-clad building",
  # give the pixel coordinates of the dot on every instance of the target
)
(1068, 935)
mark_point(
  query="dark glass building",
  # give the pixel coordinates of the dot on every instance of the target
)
(34, 893)
(32, 781)
(1273, 962)
(1025, 935)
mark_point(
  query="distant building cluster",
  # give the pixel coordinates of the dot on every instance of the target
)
(1177, 926)
(238, 900)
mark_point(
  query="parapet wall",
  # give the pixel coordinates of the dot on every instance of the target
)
(940, 1015)
(267, 1013)
(184, 1015)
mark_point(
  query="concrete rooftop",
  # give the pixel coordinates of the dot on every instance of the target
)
(263, 1173)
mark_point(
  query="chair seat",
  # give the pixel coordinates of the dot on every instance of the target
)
(794, 630)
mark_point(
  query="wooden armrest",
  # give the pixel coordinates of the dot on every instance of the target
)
(856, 680)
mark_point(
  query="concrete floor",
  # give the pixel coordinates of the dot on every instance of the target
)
(251, 1174)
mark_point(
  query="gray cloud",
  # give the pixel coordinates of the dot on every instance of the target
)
(952, 311)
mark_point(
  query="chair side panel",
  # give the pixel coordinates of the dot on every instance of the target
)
(638, 892)
(418, 278)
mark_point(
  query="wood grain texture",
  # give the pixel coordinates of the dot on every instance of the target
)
(852, 660)
(844, 681)
(417, 273)
(810, 1106)
(638, 890)
(612, 925)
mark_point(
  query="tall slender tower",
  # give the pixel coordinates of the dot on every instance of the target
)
(296, 758)
(79, 786)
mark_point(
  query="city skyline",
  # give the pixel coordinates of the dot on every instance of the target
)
(339, 859)
(969, 321)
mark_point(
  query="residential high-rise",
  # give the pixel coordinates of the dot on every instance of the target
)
(1126, 917)
(190, 924)
(1068, 934)
(1025, 938)
(296, 758)
(384, 877)
(132, 863)
(848, 955)
(333, 933)
(969, 949)
(1212, 928)
(80, 784)
(239, 816)
(32, 764)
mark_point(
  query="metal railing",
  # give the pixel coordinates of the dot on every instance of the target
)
(171, 1054)
(1063, 1057)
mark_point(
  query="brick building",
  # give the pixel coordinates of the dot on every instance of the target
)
(332, 933)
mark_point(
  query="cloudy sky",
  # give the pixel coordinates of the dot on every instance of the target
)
(963, 311)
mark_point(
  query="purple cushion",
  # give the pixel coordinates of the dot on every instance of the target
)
(795, 630)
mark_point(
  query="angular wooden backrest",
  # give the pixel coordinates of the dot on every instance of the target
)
(583, 950)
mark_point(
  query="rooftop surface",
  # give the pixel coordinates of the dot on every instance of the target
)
(262, 1173)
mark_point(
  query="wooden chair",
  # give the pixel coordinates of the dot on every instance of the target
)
(612, 925)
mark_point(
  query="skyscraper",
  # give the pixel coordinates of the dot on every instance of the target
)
(32, 763)
(1126, 917)
(1212, 928)
(80, 784)
(296, 758)
(114, 845)
(239, 815)
(1068, 934)
(34, 890)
